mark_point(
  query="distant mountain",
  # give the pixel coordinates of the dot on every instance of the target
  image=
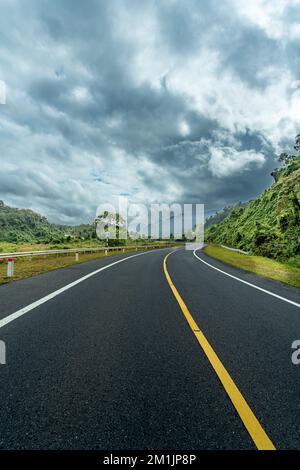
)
(26, 226)
(270, 224)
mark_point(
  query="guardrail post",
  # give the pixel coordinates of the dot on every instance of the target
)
(123, 250)
(76, 256)
(10, 267)
(105, 252)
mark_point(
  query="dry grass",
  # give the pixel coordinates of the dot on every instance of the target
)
(6, 247)
(24, 267)
(257, 264)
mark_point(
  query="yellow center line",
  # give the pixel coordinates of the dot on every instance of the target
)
(254, 428)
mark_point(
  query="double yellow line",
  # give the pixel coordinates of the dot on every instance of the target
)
(254, 428)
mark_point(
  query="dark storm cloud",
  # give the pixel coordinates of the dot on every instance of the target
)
(157, 100)
(250, 52)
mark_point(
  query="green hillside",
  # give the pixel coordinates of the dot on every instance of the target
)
(269, 225)
(221, 215)
(26, 226)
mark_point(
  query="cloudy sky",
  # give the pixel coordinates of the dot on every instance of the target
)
(160, 100)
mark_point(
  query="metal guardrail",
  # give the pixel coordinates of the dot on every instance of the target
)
(21, 254)
(236, 250)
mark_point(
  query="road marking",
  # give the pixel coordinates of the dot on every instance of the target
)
(248, 283)
(37, 303)
(254, 428)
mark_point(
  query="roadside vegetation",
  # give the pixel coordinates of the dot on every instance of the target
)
(8, 247)
(256, 264)
(26, 267)
(24, 230)
(268, 226)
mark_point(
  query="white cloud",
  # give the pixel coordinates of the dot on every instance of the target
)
(226, 161)
(269, 15)
(184, 128)
(81, 94)
(236, 105)
(125, 109)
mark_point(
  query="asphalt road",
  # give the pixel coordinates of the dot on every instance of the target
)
(111, 363)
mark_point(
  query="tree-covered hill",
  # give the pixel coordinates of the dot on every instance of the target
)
(269, 225)
(221, 215)
(26, 226)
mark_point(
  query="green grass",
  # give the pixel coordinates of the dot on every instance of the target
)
(7, 247)
(257, 264)
(10, 247)
(26, 267)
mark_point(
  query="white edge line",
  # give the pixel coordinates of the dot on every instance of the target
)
(248, 283)
(22, 311)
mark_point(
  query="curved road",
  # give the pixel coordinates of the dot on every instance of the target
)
(111, 362)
